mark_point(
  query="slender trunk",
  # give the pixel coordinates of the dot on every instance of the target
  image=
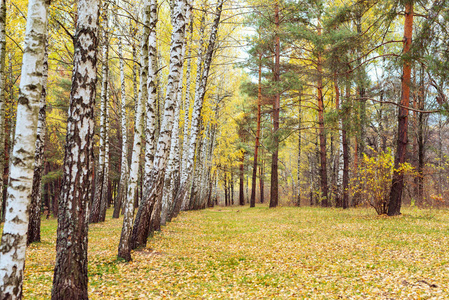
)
(95, 211)
(124, 250)
(155, 181)
(322, 132)
(2, 98)
(34, 226)
(274, 191)
(198, 83)
(394, 207)
(105, 191)
(241, 192)
(197, 108)
(124, 168)
(256, 147)
(14, 237)
(261, 176)
(185, 131)
(70, 274)
(420, 140)
(298, 198)
(345, 145)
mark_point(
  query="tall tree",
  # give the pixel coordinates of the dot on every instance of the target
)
(34, 226)
(124, 168)
(274, 188)
(124, 250)
(182, 196)
(70, 275)
(14, 236)
(155, 181)
(95, 212)
(394, 207)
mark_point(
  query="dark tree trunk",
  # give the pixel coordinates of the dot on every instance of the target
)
(242, 183)
(274, 191)
(394, 207)
(322, 133)
(256, 147)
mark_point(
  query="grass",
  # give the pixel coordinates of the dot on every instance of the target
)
(261, 253)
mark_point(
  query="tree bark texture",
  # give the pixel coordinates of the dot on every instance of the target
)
(155, 181)
(196, 115)
(14, 236)
(394, 207)
(274, 189)
(95, 212)
(70, 274)
(34, 226)
(124, 250)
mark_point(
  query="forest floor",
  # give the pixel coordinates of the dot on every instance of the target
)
(261, 253)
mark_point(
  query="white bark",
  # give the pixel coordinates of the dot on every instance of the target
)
(185, 143)
(150, 127)
(124, 126)
(13, 242)
(70, 275)
(95, 212)
(154, 183)
(105, 187)
(124, 251)
(2, 95)
(34, 230)
(197, 108)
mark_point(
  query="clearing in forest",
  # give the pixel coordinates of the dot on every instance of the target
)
(261, 253)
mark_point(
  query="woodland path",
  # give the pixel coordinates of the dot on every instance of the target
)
(261, 253)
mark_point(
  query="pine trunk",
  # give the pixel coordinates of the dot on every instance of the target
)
(274, 189)
(394, 207)
(70, 274)
(256, 147)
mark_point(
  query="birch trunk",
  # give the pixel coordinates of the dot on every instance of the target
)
(70, 275)
(172, 174)
(2, 97)
(124, 250)
(155, 181)
(150, 127)
(124, 159)
(34, 226)
(105, 187)
(14, 237)
(196, 115)
(95, 211)
(186, 133)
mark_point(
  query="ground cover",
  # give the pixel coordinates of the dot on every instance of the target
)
(261, 253)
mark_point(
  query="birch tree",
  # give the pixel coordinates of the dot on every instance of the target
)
(154, 183)
(2, 95)
(99, 178)
(124, 158)
(14, 236)
(197, 108)
(70, 275)
(124, 250)
(34, 226)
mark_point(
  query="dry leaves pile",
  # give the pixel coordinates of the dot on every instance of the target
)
(261, 253)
